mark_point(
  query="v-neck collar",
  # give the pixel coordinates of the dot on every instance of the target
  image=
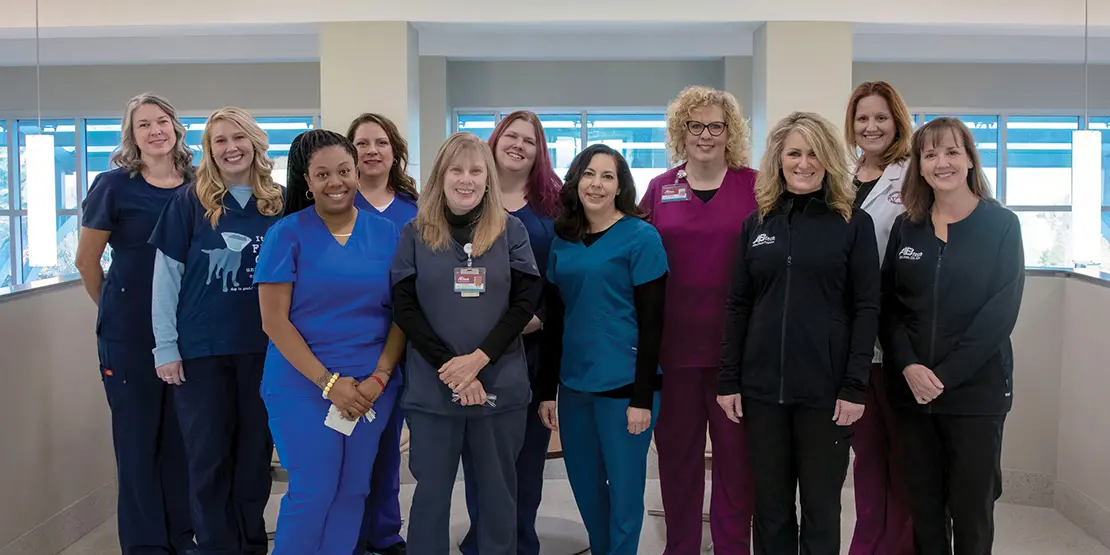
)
(327, 232)
(680, 177)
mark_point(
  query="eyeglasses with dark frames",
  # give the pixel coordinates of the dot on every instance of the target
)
(697, 127)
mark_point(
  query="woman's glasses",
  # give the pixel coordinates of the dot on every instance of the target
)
(697, 127)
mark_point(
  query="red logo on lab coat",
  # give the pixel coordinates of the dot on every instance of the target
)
(108, 372)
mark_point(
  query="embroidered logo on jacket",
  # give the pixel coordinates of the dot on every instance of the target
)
(763, 239)
(894, 197)
(908, 253)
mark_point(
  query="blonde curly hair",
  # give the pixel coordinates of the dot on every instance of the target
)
(210, 187)
(738, 149)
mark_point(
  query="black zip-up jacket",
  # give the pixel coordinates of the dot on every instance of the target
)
(803, 312)
(951, 308)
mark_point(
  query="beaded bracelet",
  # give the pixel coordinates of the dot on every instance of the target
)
(331, 382)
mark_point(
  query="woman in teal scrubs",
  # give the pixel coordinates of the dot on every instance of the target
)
(610, 269)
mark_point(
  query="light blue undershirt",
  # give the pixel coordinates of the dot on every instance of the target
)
(167, 291)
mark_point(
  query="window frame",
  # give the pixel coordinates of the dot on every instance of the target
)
(14, 213)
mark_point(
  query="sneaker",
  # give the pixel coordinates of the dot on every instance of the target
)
(395, 549)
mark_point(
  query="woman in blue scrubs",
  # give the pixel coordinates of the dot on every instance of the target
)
(120, 210)
(323, 287)
(465, 285)
(385, 188)
(209, 342)
(610, 269)
(530, 191)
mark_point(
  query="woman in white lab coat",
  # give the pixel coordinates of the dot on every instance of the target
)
(878, 129)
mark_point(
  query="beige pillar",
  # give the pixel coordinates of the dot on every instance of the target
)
(434, 112)
(799, 66)
(371, 67)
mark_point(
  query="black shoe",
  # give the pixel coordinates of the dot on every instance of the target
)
(395, 549)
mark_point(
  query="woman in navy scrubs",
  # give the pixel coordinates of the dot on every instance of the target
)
(465, 285)
(120, 210)
(209, 342)
(385, 188)
(530, 191)
(323, 287)
(610, 269)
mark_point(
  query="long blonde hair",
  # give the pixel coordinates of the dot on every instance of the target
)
(210, 187)
(738, 149)
(430, 217)
(128, 155)
(829, 147)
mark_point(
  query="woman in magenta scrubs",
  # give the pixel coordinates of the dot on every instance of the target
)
(699, 207)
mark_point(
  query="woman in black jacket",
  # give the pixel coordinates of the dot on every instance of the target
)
(952, 282)
(801, 325)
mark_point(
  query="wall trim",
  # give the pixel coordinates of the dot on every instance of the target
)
(1083, 511)
(71, 524)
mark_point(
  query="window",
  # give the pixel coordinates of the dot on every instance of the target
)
(5, 214)
(1038, 160)
(640, 138)
(281, 132)
(480, 124)
(1103, 124)
(564, 139)
(67, 191)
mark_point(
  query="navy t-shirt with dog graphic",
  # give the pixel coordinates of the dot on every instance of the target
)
(205, 300)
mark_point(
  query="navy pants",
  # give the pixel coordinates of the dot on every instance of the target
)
(529, 488)
(321, 514)
(381, 521)
(153, 504)
(228, 446)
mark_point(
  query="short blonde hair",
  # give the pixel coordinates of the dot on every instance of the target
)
(825, 140)
(210, 187)
(738, 149)
(430, 219)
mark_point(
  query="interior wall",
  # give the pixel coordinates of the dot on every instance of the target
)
(1083, 457)
(294, 87)
(57, 465)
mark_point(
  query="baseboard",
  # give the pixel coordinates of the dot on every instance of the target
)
(1083, 511)
(68, 526)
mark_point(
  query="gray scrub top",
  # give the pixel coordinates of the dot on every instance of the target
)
(463, 323)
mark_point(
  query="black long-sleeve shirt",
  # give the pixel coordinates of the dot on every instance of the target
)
(524, 293)
(648, 299)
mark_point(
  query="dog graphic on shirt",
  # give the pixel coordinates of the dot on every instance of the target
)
(223, 264)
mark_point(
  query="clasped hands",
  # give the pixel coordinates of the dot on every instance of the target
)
(924, 384)
(354, 399)
(461, 373)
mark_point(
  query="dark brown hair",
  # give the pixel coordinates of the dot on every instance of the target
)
(399, 179)
(899, 148)
(917, 194)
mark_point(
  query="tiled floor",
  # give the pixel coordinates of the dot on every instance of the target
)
(1021, 530)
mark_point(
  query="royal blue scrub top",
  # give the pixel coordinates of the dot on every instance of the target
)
(128, 207)
(217, 311)
(400, 211)
(541, 231)
(595, 282)
(341, 301)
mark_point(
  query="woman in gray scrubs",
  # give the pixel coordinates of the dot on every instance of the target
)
(465, 284)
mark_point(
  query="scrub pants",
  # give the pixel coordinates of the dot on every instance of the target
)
(321, 514)
(607, 468)
(381, 520)
(529, 488)
(228, 445)
(687, 403)
(153, 504)
(794, 448)
(437, 442)
(954, 472)
(883, 522)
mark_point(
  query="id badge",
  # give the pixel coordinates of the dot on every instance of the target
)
(470, 282)
(675, 192)
(336, 422)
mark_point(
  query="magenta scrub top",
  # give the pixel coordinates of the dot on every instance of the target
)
(700, 239)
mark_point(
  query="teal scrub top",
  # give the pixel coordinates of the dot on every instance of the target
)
(596, 285)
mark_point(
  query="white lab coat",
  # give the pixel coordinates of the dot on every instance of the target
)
(884, 204)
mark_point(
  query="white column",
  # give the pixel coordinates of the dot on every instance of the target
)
(799, 66)
(435, 114)
(371, 67)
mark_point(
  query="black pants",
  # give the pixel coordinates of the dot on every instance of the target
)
(229, 449)
(792, 448)
(954, 475)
